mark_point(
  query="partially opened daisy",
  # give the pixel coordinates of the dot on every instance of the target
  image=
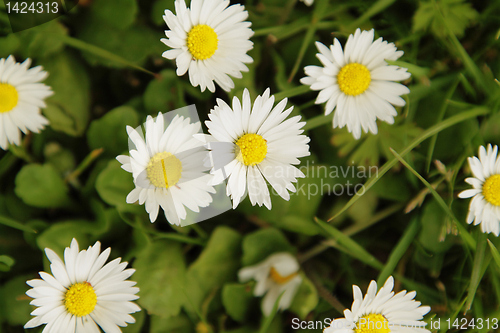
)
(21, 97)
(275, 275)
(210, 40)
(82, 292)
(256, 143)
(484, 207)
(358, 83)
(382, 312)
(168, 168)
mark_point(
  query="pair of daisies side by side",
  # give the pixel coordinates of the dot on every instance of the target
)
(83, 293)
(381, 311)
(21, 97)
(256, 144)
(210, 40)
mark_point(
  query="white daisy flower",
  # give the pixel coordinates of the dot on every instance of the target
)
(82, 293)
(256, 143)
(21, 97)
(275, 275)
(382, 312)
(308, 2)
(484, 208)
(358, 83)
(168, 168)
(211, 40)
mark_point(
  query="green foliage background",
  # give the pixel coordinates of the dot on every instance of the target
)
(65, 182)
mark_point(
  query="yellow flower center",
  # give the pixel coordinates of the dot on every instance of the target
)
(164, 170)
(202, 41)
(278, 278)
(354, 79)
(8, 97)
(491, 190)
(251, 149)
(80, 299)
(372, 323)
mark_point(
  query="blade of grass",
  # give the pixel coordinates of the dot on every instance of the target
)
(494, 253)
(267, 323)
(299, 90)
(428, 133)
(319, 9)
(355, 249)
(81, 45)
(318, 121)
(441, 113)
(453, 317)
(477, 270)
(16, 225)
(469, 64)
(400, 249)
(376, 8)
(466, 237)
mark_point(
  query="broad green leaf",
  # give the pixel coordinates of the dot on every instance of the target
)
(109, 131)
(114, 184)
(216, 265)
(60, 158)
(433, 224)
(305, 300)
(41, 186)
(164, 93)
(177, 324)
(59, 235)
(16, 304)
(262, 243)
(6, 262)
(237, 300)
(457, 15)
(160, 274)
(68, 109)
(118, 14)
(43, 40)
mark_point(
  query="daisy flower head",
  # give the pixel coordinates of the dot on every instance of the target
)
(308, 2)
(484, 207)
(255, 144)
(210, 40)
(357, 82)
(275, 275)
(21, 97)
(382, 312)
(167, 167)
(81, 293)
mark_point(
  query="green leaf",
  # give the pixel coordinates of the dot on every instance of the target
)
(164, 94)
(433, 224)
(457, 16)
(260, 244)
(43, 40)
(118, 14)
(41, 186)
(351, 247)
(237, 300)
(60, 158)
(58, 236)
(6, 263)
(8, 45)
(306, 299)
(16, 309)
(15, 224)
(478, 268)
(428, 133)
(495, 253)
(216, 265)
(114, 184)
(68, 109)
(269, 320)
(177, 324)
(109, 132)
(161, 281)
(399, 250)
